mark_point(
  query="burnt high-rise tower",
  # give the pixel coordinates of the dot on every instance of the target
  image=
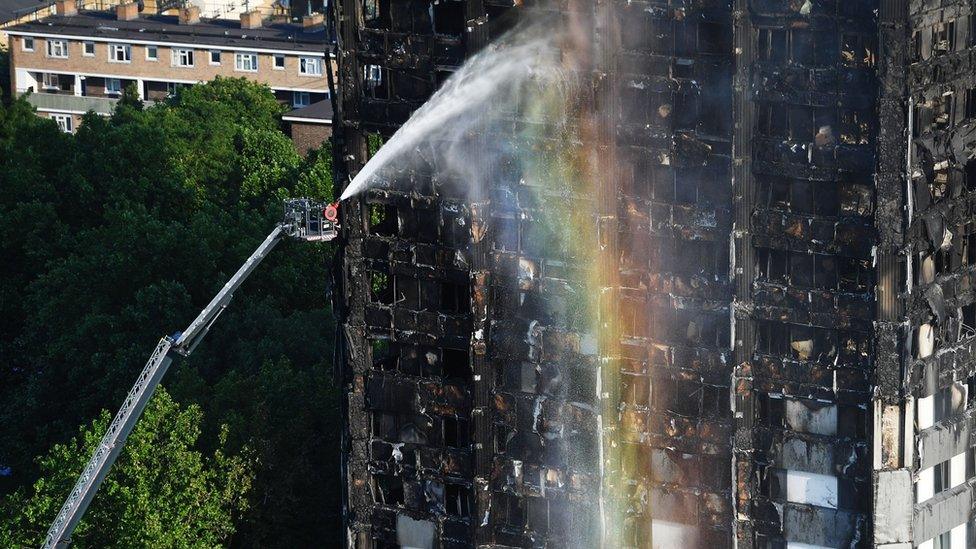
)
(780, 271)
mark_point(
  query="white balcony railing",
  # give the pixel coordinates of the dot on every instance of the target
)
(71, 103)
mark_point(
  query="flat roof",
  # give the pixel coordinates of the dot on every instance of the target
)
(103, 25)
(319, 112)
(15, 9)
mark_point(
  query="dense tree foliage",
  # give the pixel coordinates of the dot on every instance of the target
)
(119, 234)
(202, 494)
(4, 75)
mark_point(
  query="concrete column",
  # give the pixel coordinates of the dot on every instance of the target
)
(141, 88)
(77, 90)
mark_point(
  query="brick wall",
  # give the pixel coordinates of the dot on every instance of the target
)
(309, 136)
(162, 68)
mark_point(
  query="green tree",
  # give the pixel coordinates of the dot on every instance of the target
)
(291, 418)
(4, 75)
(120, 233)
(267, 159)
(162, 492)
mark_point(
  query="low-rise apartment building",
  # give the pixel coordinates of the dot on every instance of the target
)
(15, 12)
(74, 62)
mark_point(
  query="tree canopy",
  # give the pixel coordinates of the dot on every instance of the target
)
(119, 234)
(162, 492)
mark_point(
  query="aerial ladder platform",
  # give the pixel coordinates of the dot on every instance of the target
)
(305, 220)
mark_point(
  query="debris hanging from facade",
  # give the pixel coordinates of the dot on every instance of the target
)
(713, 293)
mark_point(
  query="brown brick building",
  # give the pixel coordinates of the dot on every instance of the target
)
(75, 62)
(310, 126)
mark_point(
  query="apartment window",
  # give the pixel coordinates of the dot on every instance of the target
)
(28, 44)
(942, 404)
(970, 106)
(941, 477)
(172, 88)
(456, 432)
(458, 500)
(152, 53)
(119, 53)
(376, 14)
(300, 99)
(448, 18)
(375, 83)
(279, 62)
(182, 57)
(214, 57)
(57, 48)
(113, 85)
(64, 122)
(916, 46)
(50, 81)
(311, 66)
(943, 37)
(247, 62)
(88, 49)
(811, 488)
(799, 196)
(858, 50)
(954, 539)
(811, 343)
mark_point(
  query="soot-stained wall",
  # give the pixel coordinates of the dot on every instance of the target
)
(670, 420)
(938, 249)
(473, 403)
(784, 269)
(804, 188)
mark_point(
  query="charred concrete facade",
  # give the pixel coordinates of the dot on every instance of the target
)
(476, 410)
(786, 253)
(806, 96)
(416, 375)
(925, 452)
(667, 382)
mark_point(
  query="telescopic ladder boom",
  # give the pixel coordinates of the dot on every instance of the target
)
(304, 220)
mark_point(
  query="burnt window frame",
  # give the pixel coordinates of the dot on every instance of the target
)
(772, 45)
(775, 339)
(455, 432)
(375, 14)
(381, 287)
(453, 11)
(784, 267)
(717, 42)
(783, 194)
(376, 82)
(455, 297)
(863, 48)
(704, 258)
(384, 354)
(969, 102)
(852, 420)
(712, 329)
(457, 500)
(943, 31)
(855, 126)
(387, 486)
(971, 27)
(382, 219)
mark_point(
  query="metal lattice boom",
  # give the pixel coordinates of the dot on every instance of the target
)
(304, 220)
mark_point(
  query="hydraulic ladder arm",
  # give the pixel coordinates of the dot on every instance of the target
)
(304, 220)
